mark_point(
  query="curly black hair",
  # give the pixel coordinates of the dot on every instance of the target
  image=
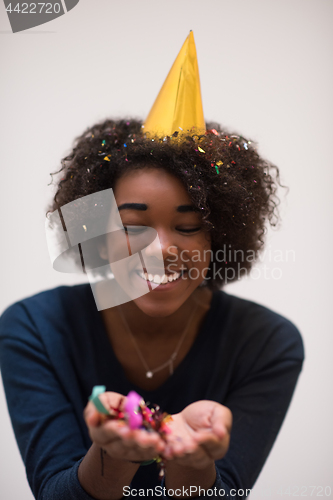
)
(228, 182)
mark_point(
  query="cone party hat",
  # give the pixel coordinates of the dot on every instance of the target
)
(178, 106)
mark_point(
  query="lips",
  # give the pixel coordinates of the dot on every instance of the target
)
(161, 279)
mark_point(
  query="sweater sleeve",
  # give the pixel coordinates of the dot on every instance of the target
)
(259, 401)
(43, 419)
(258, 398)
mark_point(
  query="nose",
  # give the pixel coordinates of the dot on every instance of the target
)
(164, 245)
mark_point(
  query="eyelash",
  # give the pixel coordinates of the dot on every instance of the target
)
(194, 230)
(186, 231)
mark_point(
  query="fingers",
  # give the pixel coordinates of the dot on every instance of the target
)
(131, 450)
(197, 446)
(216, 442)
(121, 442)
(221, 420)
(116, 437)
(109, 400)
(195, 457)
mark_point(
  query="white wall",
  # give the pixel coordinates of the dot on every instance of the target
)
(266, 71)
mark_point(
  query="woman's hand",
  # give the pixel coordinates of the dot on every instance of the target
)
(200, 434)
(116, 438)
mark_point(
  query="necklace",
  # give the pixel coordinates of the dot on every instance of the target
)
(169, 363)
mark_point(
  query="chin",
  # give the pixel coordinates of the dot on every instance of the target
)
(157, 308)
(157, 305)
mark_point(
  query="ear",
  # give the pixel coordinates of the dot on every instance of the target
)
(103, 251)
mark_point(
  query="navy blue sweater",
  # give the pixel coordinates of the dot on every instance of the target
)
(54, 349)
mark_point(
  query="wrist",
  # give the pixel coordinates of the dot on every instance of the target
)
(143, 462)
(179, 476)
(104, 477)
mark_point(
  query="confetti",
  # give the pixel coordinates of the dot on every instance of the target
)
(84, 227)
(107, 159)
(103, 143)
(201, 150)
(219, 163)
(137, 415)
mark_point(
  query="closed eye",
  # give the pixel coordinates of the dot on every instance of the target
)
(141, 229)
(188, 231)
(135, 230)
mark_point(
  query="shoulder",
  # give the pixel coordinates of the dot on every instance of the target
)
(50, 307)
(255, 328)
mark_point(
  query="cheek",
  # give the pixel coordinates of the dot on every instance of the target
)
(198, 252)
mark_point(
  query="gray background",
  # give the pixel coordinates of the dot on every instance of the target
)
(266, 72)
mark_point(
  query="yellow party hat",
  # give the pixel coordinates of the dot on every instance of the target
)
(178, 106)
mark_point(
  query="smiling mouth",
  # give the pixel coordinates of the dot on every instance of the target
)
(161, 280)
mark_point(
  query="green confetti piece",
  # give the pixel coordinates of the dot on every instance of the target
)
(94, 398)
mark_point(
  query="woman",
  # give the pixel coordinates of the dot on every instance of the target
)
(223, 367)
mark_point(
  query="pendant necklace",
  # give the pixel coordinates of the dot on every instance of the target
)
(169, 363)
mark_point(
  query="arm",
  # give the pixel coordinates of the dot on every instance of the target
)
(110, 465)
(258, 400)
(105, 477)
(46, 426)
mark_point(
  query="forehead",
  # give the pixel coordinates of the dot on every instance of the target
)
(150, 184)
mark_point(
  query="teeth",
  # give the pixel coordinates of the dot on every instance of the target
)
(159, 279)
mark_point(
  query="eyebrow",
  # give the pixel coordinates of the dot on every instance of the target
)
(133, 206)
(143, 207)
(186, 208)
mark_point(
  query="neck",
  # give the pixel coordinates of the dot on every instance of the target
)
(146, 327)
(154, 340)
